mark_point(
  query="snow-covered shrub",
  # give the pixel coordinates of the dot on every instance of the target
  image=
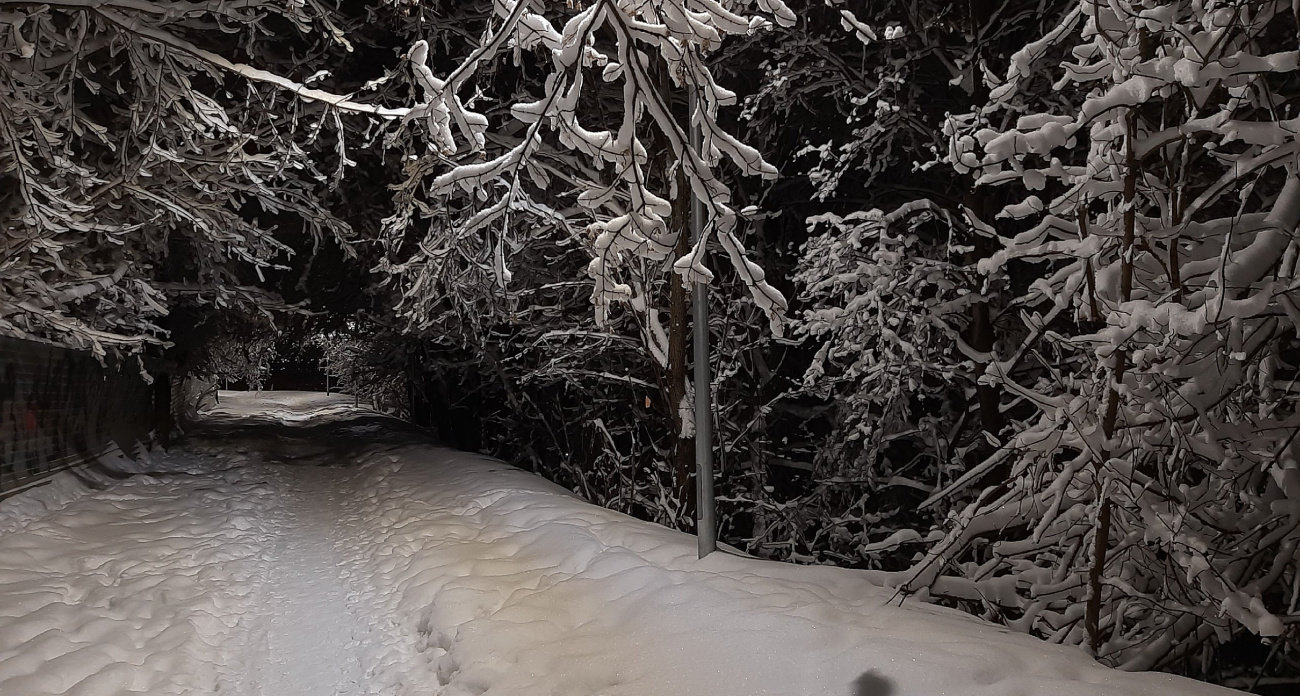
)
(367, 362)
(886, 304)
(1153, 505)
(848, 108)
(231, 347)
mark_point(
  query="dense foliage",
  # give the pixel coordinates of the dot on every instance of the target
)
(1001, 309)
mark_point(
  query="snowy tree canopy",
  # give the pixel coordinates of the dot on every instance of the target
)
(145, 149)
(595, 167)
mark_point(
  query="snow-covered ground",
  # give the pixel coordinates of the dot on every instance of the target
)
(300, 547)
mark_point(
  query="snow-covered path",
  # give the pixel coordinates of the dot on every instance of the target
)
(306, 643)
(300, 548)
(221, 569)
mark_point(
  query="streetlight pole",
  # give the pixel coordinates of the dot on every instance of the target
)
(706, 529)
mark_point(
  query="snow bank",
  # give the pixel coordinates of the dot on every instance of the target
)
(509, 585)
(51, 495)
(131, 589)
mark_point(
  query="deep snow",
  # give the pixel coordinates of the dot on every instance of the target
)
(299, 546)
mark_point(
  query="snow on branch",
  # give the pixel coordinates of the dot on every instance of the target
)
(161, 166)
(1156, 180)
(639, 60)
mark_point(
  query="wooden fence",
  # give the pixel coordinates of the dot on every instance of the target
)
(60, 408)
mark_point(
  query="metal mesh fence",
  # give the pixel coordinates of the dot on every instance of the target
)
(59, 408)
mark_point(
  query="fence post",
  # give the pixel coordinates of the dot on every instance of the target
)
(162, 409)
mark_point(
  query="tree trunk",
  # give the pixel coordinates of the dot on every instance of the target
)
(980, 333)
(1092, 613)
(679, 324)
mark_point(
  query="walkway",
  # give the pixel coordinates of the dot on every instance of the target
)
(298, 547)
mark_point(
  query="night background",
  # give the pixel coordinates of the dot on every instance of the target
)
(350, 346)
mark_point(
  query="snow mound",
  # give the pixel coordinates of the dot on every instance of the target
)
(509, 585)
(131, 589)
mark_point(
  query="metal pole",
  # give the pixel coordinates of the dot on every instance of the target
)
(705, 525)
